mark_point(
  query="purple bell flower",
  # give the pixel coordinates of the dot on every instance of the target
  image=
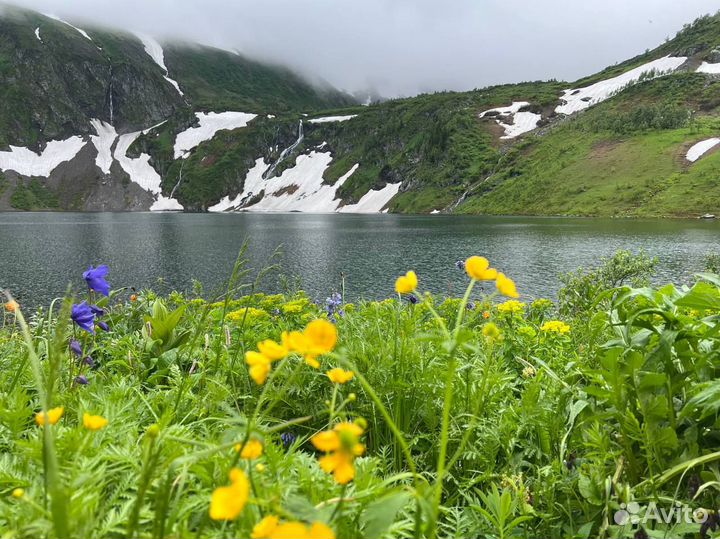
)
(97, 311)
(470, 306)
(287, 438)
(103, 326)
(75, 348)
(412, 298)
(83, 316)
(81, 380)
(95, 279)
(90, 362)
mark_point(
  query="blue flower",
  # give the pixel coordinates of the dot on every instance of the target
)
(412, 298)
(288, 438)
(81, 380)
(95, 279)
(90, 362)
(103, 326)
(470, 306)
(97, 311)
(83, 316)
(75, 348)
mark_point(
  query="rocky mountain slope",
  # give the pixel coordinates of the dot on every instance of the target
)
(99, 120)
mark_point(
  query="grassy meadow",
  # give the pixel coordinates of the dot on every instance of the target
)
(271, 416)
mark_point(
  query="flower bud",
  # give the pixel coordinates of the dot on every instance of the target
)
(153, 430)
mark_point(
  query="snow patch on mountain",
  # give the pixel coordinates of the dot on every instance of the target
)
(709, 68)
(28, 163)
(701, 148)
(210, 124)
(522, 122)
(79, 30)
(155, 51)
(141, 172)
(577, 99)
(326, 119)
(103, 142)
(374, 200)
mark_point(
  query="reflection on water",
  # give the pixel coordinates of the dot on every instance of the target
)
(41, 253)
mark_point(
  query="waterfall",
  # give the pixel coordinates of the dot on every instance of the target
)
(172, 193)
(287, 151)
(112, 107)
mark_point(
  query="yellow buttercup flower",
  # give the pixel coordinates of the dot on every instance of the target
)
(259, 366)
(341, 445)
(339, 376)
(52, 416)
(405, 284)
(253, 449)
(318, 338)
(265, 528)
(555, 326)
(12, 306)
(272, 350)
(228, 502)
(506, 286)
(478, 268)
(94, 422)
(18, 493)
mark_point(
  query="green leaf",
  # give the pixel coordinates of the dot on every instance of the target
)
(380, 514)
(701, 296)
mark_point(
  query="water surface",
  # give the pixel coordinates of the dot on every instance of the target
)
(41, 253)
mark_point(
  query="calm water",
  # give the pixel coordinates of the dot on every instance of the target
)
(41, 253)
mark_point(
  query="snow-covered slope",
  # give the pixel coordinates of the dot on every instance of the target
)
(155, 51)
(103, 142)
(701, 148)
(709, 68)
(327, 119)
(577, 99)
(79, 30)
(28, 163)
(210, 124)
(522, 122)
(374, 200)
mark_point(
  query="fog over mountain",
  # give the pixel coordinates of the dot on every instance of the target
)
(403, 47)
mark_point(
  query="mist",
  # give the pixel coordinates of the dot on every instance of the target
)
(403, 47)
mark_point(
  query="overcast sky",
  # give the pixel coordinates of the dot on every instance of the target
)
(403, 47)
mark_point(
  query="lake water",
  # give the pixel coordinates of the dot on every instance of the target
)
(41, 253)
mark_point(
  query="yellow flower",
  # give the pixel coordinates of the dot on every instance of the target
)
(12, 306)
(259, 366)
(555, 326)
(341, 446)
(511, 306)
(339, 376)
(52, 416)
(506, 286)
(18, 493)
(94, 422)
(319, 530)
(491, 331)
(253, 449)
(259, 467)
(405, 284)
(486, 314)
(227, 502)
(265, 528)
(272, 350)
(318, 338)
(478, 268)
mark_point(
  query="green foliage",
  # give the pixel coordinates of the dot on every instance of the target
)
(33, 195)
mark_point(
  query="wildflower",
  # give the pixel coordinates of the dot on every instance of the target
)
(94, 422)
(478, 268)
(81, 380)
(18, 493)
(490, 331)
(83, 316)
(153, 431)
(407, 283)
(228, 502)
(486, 314)
(95, 279)
(259, 467)
(529, 371)
(412, 298)
(470, 306)
(506, 286)
(133, 298)
(97, 311)
(259, 366)
(103, 326)
(511, 306)
(12, 306)
(253, 449)
(341, 445)
(75, 348)
(272, 350)
(52, 416)
(265, 527)
(333, 305)
(555, 326)
(90, 362)
(318, 338)
(339, 376)
(288, 438)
